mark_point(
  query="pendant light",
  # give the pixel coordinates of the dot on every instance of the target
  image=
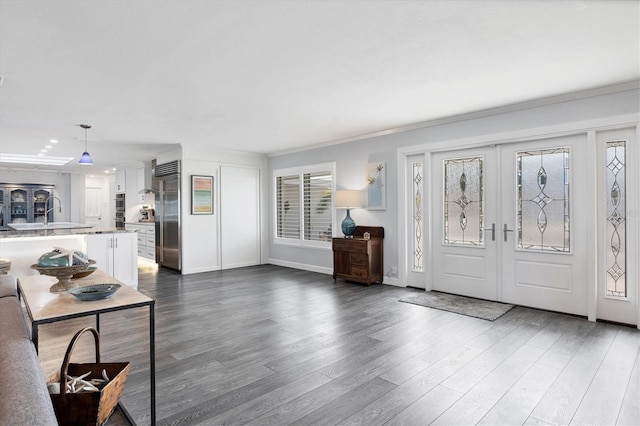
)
(85, 160)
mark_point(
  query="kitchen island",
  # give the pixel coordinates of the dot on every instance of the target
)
(114, 250)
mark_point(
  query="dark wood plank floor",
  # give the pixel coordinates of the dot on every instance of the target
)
(274, 346)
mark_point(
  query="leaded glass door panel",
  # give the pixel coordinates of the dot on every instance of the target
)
(544, 212)
(417, 202)
(617, 290)
(464, 216)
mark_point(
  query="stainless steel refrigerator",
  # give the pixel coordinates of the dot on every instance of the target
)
(166, 185)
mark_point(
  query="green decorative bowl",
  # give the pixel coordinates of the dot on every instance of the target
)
(55, 259)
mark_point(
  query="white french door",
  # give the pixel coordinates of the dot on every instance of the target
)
(464, 200)
(507, 226)
(544, 219)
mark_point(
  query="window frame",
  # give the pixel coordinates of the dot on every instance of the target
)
(300, 171)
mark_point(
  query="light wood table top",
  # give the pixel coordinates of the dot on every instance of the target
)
(45, 306)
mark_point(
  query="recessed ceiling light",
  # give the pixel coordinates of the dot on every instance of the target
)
(48, 146)
(106, 171)
(53, 140)
(40, 155)
(34, 159)
(43, 150)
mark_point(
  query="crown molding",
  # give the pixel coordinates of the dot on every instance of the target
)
(549, 100)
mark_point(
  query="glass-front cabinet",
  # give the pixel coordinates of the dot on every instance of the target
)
(43, 204)
(19, 211)
(26, 203)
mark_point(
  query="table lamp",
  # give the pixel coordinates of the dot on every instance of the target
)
(348, 199)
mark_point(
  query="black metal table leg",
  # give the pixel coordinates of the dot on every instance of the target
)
(152, 361)
(34, 335)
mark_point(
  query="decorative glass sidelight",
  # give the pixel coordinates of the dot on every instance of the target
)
(418, 252)
(463, 201)
(542, 186)
(615, 194)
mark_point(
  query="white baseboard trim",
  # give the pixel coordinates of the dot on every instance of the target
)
(302, 266)
(392, 281)
(188, 271)
(324, 270)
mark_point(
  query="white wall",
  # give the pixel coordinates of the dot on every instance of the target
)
(598, 108)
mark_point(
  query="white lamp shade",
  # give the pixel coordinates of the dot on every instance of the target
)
(348, 199)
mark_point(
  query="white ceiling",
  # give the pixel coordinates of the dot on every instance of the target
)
(270, 76)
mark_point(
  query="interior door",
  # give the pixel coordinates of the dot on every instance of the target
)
(239, 216)
(93, 206)
(544, 219)
(464, 216)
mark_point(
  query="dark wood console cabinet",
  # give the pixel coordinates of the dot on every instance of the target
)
(357, 259)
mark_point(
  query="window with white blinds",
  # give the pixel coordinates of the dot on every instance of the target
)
(288, 195)
(304, 204)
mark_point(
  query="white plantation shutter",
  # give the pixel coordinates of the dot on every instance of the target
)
(304, 204)
(288, 198)
(318, 199)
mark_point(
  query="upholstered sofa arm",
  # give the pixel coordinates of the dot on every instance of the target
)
(24, 399)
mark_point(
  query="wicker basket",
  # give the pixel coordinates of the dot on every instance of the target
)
(88, 408)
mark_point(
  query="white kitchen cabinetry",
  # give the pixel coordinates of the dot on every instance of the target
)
(142, 197)
(116, 254)
(146, 239)
(121, 180)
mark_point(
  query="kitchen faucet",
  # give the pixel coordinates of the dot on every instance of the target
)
(53, 204)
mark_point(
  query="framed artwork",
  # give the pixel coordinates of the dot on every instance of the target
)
(377, 186)
(201, 194)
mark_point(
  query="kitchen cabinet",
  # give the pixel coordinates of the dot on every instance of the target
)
(146, 238)
(142, 196)
(27, 203)
(42, 206)
(116, 254)
(121, 181)
(359, 259)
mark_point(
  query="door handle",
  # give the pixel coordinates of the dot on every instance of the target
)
(493, 231)
(505, 230)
